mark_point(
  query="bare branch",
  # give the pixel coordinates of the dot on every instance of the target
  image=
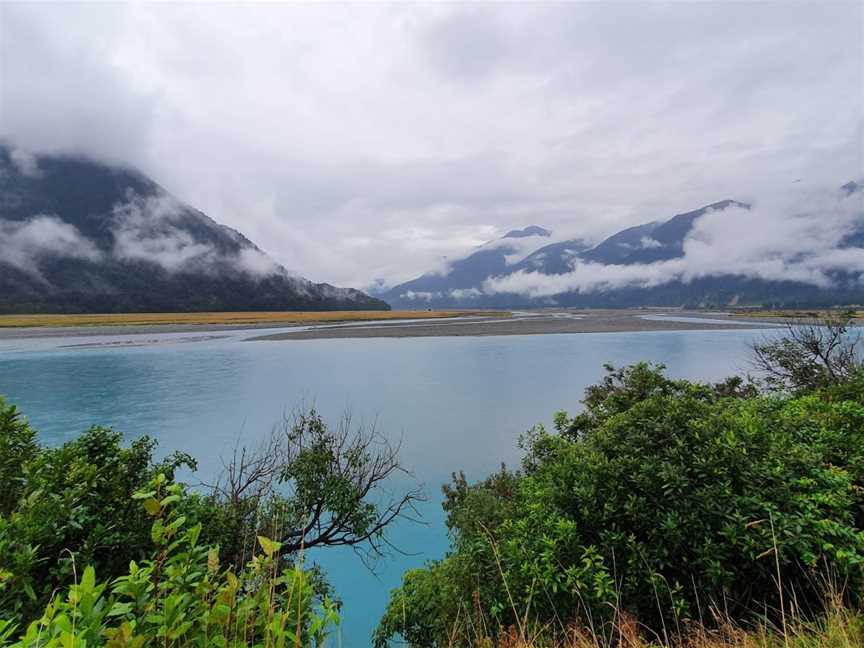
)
(811, 354)
(308, 485)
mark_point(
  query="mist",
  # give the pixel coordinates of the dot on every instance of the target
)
(798, 236)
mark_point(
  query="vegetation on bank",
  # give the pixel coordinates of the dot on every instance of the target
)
(98, 536)
(667, 503)
(182, 594)
(226, 319)
(667, 512)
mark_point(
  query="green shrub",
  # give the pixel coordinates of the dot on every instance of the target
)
(665, 499)
(70, 501)
(182, 596)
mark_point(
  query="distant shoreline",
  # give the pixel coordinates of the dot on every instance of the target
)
(546, 322)
(393, 324)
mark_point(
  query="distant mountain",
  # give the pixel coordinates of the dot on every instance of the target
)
(460, 281)
(653, 241)
(642, 248)
(77, 235)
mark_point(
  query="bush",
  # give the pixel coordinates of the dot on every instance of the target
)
(70, 501)
(307, 486)
(664, 499)
(17, 446)
(182, 596)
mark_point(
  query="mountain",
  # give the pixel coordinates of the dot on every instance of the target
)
(554, 258)
(462, 278)
(653, 241)
(623, 271)
(78, 235)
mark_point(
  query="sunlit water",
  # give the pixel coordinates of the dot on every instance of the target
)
(456, 403)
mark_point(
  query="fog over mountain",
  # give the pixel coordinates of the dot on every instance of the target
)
(367, 144)
(807, 249)
(82, 236)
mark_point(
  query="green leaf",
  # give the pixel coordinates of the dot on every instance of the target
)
(170, 499)
(269, 546)
(152, 506)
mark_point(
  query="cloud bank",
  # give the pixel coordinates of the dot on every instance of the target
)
(798, 238)
(153, 229)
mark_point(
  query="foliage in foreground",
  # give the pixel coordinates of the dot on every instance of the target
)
(182, 596)
(666, 500)
(308, 485)
(59, 505)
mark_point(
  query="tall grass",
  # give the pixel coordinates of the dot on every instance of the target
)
(836, 625)
(838, 628)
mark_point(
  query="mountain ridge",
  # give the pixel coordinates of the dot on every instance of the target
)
(645, 246)
(85, 236)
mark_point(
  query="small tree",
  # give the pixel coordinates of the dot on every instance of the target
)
(810, 355)
(311, 486)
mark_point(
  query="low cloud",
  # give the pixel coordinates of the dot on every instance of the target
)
(420, 295)
(797, 238)
(24, 244)
(25, 162)
(459, 294)
(465, 293)
(648, 243)
(157, 229)
(144, 230)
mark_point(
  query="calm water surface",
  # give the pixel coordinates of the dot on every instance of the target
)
(455, 403)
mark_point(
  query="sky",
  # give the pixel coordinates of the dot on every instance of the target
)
(366, 142)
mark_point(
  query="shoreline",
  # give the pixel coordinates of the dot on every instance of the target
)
(424, 324)
(530, 323)
(413, 325)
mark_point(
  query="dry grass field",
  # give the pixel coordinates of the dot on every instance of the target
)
(225, 319)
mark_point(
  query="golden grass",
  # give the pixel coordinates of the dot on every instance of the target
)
(225, 319)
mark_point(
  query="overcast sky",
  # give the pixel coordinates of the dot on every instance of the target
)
(365, 141)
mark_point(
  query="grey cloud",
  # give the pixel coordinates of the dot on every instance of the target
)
(60, 87)
(358, 142)
(466, 45)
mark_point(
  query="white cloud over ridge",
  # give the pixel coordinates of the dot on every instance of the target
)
(155, 229)
(794, 239)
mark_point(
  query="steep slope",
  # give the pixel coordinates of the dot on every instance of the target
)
(618, 247)
(81, 236)
(554, 258)
(459, 283)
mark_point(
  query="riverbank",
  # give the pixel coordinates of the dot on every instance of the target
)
(377, 324)
(540, 322)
